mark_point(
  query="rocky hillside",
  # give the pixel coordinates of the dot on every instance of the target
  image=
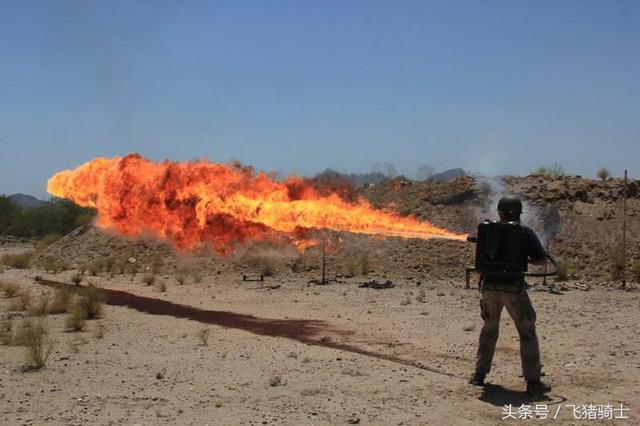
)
(580, 219)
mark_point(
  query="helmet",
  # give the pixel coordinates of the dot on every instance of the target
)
(510, 204)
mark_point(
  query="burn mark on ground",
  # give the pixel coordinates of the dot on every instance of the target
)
(313, 332)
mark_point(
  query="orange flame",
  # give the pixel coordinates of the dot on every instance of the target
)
(195, 203)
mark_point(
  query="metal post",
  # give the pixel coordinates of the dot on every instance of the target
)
(324, 262)
(546, 264)
(624, 232)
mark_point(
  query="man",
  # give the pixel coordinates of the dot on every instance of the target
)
(510, 291)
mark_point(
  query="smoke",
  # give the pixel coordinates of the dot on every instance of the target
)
(494, 188)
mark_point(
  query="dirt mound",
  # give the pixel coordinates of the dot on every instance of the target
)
(584, 235)
(587, 234)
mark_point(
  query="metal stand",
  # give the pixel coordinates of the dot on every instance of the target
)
(624, 232)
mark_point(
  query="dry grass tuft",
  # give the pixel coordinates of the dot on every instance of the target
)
(46, 241)
(60, 301)
(275, 380)
(149, 278)
(181, 279)
(76, 319)
(203, 335)
(635, 269)
(34, 336)
(98, 332)
(76, 278)
(10, 289)
(22, 302)
(39, 306)
(17, 261)
(6, 332)
(92, 300)
(161, 286)
(618, 262)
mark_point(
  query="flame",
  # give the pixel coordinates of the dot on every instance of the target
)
(195, 203)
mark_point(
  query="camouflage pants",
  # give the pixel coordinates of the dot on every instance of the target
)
(520, 309)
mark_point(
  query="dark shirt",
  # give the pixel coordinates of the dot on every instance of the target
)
(533, 247)
(532, 250)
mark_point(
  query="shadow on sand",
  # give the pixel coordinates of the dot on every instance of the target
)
(313, 332)
(500, 396)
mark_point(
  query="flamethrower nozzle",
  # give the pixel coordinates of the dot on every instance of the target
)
(472, 239)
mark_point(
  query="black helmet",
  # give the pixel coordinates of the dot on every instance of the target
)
(510, 204)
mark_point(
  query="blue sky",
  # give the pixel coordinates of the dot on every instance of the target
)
(297, 86)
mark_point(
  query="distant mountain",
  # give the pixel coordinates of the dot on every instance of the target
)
(357, 179)
(26, 201)
(448, 175)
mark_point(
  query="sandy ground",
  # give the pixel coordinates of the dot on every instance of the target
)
(307, 354)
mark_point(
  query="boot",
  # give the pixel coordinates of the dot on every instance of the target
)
(477, 379)
(537, 388)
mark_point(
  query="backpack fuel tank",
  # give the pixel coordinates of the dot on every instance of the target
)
(500, 249)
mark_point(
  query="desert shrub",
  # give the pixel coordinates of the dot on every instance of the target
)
(161, 286)
(297, 265)
(421, 296)
(93, 268)
(51, 265)
(181, 278)
(618, 261)
(46, 241)
(34, 336)
(92, 300)
(98, 332)
(22, 302)
(555, 170)
(10, 289)
(365, 263)
(17, 261)
(351, 268)
(203, 336)
(197, 278)
(60, 301)
(6, 330)
(275, 380)
(564, 270)
(266, 266)
(76, 278)
(39, 306)
(110, 264)
(149, 278)
(156, 264)
(76, 318)
(635, 269)
(603, 174)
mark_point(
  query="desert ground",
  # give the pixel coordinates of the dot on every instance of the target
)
(308, 354)
(196, 344)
